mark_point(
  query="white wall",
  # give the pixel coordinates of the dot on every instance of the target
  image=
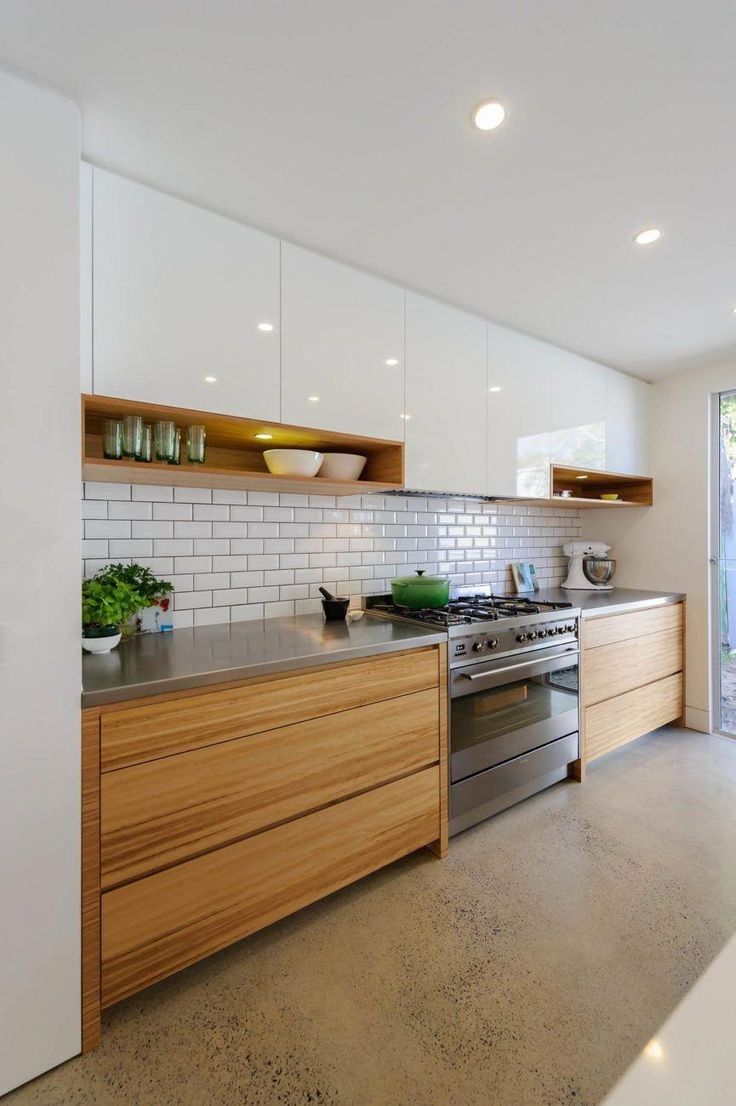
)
(40, 675)
(668, 545)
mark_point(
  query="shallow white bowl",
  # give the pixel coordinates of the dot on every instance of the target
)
(293, 462)
(342, 466)
(100, 644)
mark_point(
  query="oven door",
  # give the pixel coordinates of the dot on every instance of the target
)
(505, 707)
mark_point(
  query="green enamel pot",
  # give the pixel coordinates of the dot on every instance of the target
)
(420, 590)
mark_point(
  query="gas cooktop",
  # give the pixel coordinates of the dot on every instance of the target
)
(466, 610)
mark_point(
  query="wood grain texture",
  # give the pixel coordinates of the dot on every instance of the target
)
(234, 455)
(157, 925)
(90, 880)
(634, 491)
(617, 721)
(612, 670)
(440, 847)
(622, 627)
(149, 730)
(164, 811)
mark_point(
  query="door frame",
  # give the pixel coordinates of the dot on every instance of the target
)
(714, 560)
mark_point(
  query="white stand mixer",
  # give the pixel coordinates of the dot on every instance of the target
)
(589, 568)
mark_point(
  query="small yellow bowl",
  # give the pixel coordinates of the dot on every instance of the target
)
(610, 495)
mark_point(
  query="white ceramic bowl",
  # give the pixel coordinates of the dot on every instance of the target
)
(342, 466)
(293, 462)
(100, 644)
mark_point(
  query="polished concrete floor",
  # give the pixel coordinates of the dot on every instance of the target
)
(527, 969)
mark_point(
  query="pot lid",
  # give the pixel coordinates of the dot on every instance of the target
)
(420, 577)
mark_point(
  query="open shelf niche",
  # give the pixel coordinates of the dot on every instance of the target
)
(587, 486)
(234, 456)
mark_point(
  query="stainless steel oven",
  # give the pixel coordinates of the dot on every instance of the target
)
(513, 728)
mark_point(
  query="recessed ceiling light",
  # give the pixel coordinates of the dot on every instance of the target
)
(391, 361)
(583, 477)
(646, 237)
(265, 327)
(489, 115)
(211, 379)
(495, 388)
(654, 1050)
(313, 399)
(264, 437)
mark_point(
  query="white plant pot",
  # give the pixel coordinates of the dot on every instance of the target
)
(100, 644)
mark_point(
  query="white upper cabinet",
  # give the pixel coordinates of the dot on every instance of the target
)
(179, 294)
(577, 412)
(85, 276)
(518, 404)
(445, 398)
(627, 424)
(342, 347)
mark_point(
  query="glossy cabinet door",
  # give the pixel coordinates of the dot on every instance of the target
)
(445, 398)
(179, 294)
(577, 412)
(627, 424)
(342, 347)
(518, 407)
(85, 277)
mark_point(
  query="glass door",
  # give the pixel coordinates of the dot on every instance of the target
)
(723, 561)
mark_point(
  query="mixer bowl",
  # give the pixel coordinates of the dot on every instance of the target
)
(599, 570)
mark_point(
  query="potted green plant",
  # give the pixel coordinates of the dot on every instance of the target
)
(155, 596)
(106, 605)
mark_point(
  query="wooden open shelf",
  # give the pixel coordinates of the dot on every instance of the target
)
(234, 458)
(588, 484)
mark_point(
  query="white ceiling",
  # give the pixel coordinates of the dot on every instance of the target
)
(343, 125)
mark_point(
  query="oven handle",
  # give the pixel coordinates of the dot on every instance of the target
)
(513, 667)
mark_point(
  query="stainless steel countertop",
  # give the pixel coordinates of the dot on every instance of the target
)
(596, 603)
(150, 664)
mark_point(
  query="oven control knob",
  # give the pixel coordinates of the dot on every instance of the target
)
(492, 643)
(542, 633)
(533, 635)
(521, 638)
(477, 646)
(570, 628)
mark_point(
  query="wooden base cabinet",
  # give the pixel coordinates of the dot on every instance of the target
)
(204, 823)
(631, 676)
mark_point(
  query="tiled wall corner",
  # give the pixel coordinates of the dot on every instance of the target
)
(238, 555)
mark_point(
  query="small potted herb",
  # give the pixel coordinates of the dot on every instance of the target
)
(106, 606)
(155, 595)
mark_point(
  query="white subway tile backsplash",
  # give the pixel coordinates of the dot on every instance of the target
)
(94, 548)
(211, 616)
(192, 495)
(237, 555)
(192, 529)
(149, 493)
(173, 547)
(173, 512)
(93, 490)
(138, 547)
(128, 509)
(153, 530)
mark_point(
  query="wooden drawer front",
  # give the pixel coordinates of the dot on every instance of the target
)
(614, 669)
(160, 924)
(168, 810)
(151, 730)
(613, 723)
(622, 627)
